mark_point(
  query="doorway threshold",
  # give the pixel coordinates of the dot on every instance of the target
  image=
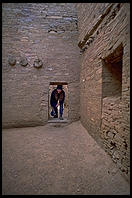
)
(57, 120)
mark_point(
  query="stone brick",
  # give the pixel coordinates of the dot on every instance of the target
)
(27, 34)
(110, 134)
(110, 40)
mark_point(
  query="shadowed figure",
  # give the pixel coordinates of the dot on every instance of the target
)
(57, 99)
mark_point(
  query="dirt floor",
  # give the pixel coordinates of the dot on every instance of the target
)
(57, 159)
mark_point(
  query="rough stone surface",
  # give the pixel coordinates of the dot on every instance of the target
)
(45, 31)
(53, 160)
(105, 77)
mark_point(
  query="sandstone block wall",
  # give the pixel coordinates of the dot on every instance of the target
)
(44, 31)
(104, 36)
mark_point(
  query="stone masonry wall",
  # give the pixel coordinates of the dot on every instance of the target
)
(104, 28)
(36, 34)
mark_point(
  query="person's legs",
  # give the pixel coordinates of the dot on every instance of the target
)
(55, 110)
(61, 110)
(52, 112)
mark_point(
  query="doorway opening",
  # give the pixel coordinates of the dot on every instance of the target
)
(53, 86)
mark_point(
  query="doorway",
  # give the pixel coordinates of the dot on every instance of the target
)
(52, 86)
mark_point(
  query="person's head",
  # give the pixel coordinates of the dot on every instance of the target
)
(59, 88)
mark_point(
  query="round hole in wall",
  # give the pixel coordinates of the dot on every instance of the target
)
(12, 60)
(37, 63)
(23, 61)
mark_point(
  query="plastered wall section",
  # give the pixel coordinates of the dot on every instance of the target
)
(47, 31)
(105, 27)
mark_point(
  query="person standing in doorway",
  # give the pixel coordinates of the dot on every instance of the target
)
(57, 99)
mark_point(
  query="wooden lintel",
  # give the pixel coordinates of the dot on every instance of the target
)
(58, 83)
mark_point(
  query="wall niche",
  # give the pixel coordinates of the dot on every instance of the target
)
(112, 73)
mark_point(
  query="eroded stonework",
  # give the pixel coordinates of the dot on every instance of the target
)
(47, 31)
(104, 42)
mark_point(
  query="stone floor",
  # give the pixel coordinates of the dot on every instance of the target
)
(59, 160)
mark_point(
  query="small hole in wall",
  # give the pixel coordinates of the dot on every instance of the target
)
(52, 87)
(52, 31)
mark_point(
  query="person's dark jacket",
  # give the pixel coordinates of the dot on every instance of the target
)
(55, 96)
